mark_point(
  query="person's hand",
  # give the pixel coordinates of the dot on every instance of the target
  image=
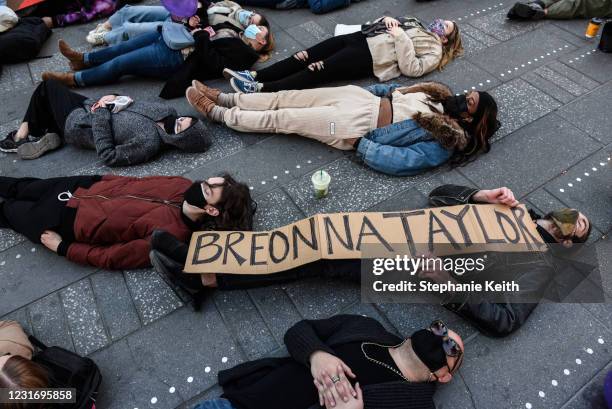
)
(396, 31)
(501, 195)
(316, 66)
(354, 402)
(390, 22)
(193, 21)
(102, 102)
(209, 30)
(327, 368)
(301, 55)
(51, 240)
(431, 272)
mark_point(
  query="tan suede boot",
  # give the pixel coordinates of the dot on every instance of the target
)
(210, 93)
(77, 62)
(200, 102)
(66, 78)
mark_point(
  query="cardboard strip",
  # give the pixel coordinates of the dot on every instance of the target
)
(461, 229)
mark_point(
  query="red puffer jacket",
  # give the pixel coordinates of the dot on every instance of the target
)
(113, 231)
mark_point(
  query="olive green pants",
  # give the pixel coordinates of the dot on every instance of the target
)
(566, 9)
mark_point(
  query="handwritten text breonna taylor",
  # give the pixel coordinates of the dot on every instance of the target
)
(344, 236)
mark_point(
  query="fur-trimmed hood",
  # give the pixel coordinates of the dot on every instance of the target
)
(446, 130)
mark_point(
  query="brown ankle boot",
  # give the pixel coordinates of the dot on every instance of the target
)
(200, 102)
(210, 93)
(77, 62)
(66, 78)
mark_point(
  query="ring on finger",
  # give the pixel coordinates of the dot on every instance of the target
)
(335, 379)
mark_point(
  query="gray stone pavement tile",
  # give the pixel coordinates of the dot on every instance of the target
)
(56, 62)
(560, 80)
(590, 396)
(575, 76)
(275, 209)
(152, 296)
(22, 317)
(83, 318)
(576, 27)
(353, 187)
(460, 11)
(293, 155)
(471, 45)
(548, 87)
(14, 109)
(181, 351)
(114, 303)
(544, 202)
(590, 62)
(554, 358)
(31, 275)
(8, 239)
(322, 298)
(497, 25)
(515, 161)
(277, 309)
(286, 46)
(15, 77)
(537, 48)
(519, 104)
(408, 318)
(49, 322)
(245, 322)
(448, 176)
(125, 385)
(590, 194)
(462, 76)
(482, 37)
(408, 199)
(590, 113)
(56, 163)
(454, 395)
(311, 32)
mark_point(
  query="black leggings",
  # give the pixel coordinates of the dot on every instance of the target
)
(50, 105)
(31, 205)
(344, 57)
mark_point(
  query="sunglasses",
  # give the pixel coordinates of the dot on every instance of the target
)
(451, 348)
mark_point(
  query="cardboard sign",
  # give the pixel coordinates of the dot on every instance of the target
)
(461, 229)
(22, 4)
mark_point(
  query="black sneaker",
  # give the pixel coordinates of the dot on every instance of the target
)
(36, 147)
(9, 145)
(527, 11)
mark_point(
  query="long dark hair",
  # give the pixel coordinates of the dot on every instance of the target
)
(236, 207)
(481, 131)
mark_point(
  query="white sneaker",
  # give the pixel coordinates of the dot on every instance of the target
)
(100, 28)
(95, 38)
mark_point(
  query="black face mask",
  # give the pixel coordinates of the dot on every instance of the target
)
(455, 106)
(169, 123)
(546, 236)
(195, 195)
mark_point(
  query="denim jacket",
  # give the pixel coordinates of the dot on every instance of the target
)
(176, 36)
(400, 149)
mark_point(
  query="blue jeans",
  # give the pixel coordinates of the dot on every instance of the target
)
(146, 55)
(215, 404)
(131, 21)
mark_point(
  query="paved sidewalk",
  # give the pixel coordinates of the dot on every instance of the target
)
(554, 92)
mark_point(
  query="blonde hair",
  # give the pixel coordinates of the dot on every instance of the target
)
(453, 47)
(266, 51)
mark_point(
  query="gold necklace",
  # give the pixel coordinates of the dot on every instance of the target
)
(382, 363)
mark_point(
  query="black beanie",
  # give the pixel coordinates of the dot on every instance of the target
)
(428, 347)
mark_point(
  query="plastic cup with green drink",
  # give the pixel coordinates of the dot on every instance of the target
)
(320, 182)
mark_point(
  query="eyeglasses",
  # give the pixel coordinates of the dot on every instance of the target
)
(451, 348)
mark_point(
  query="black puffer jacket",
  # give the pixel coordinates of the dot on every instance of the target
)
(533, 276)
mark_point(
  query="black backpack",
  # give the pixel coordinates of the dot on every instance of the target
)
(69, 370)
(24, 41)
(605, 43)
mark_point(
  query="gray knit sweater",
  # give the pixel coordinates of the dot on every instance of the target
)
(131, 136)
